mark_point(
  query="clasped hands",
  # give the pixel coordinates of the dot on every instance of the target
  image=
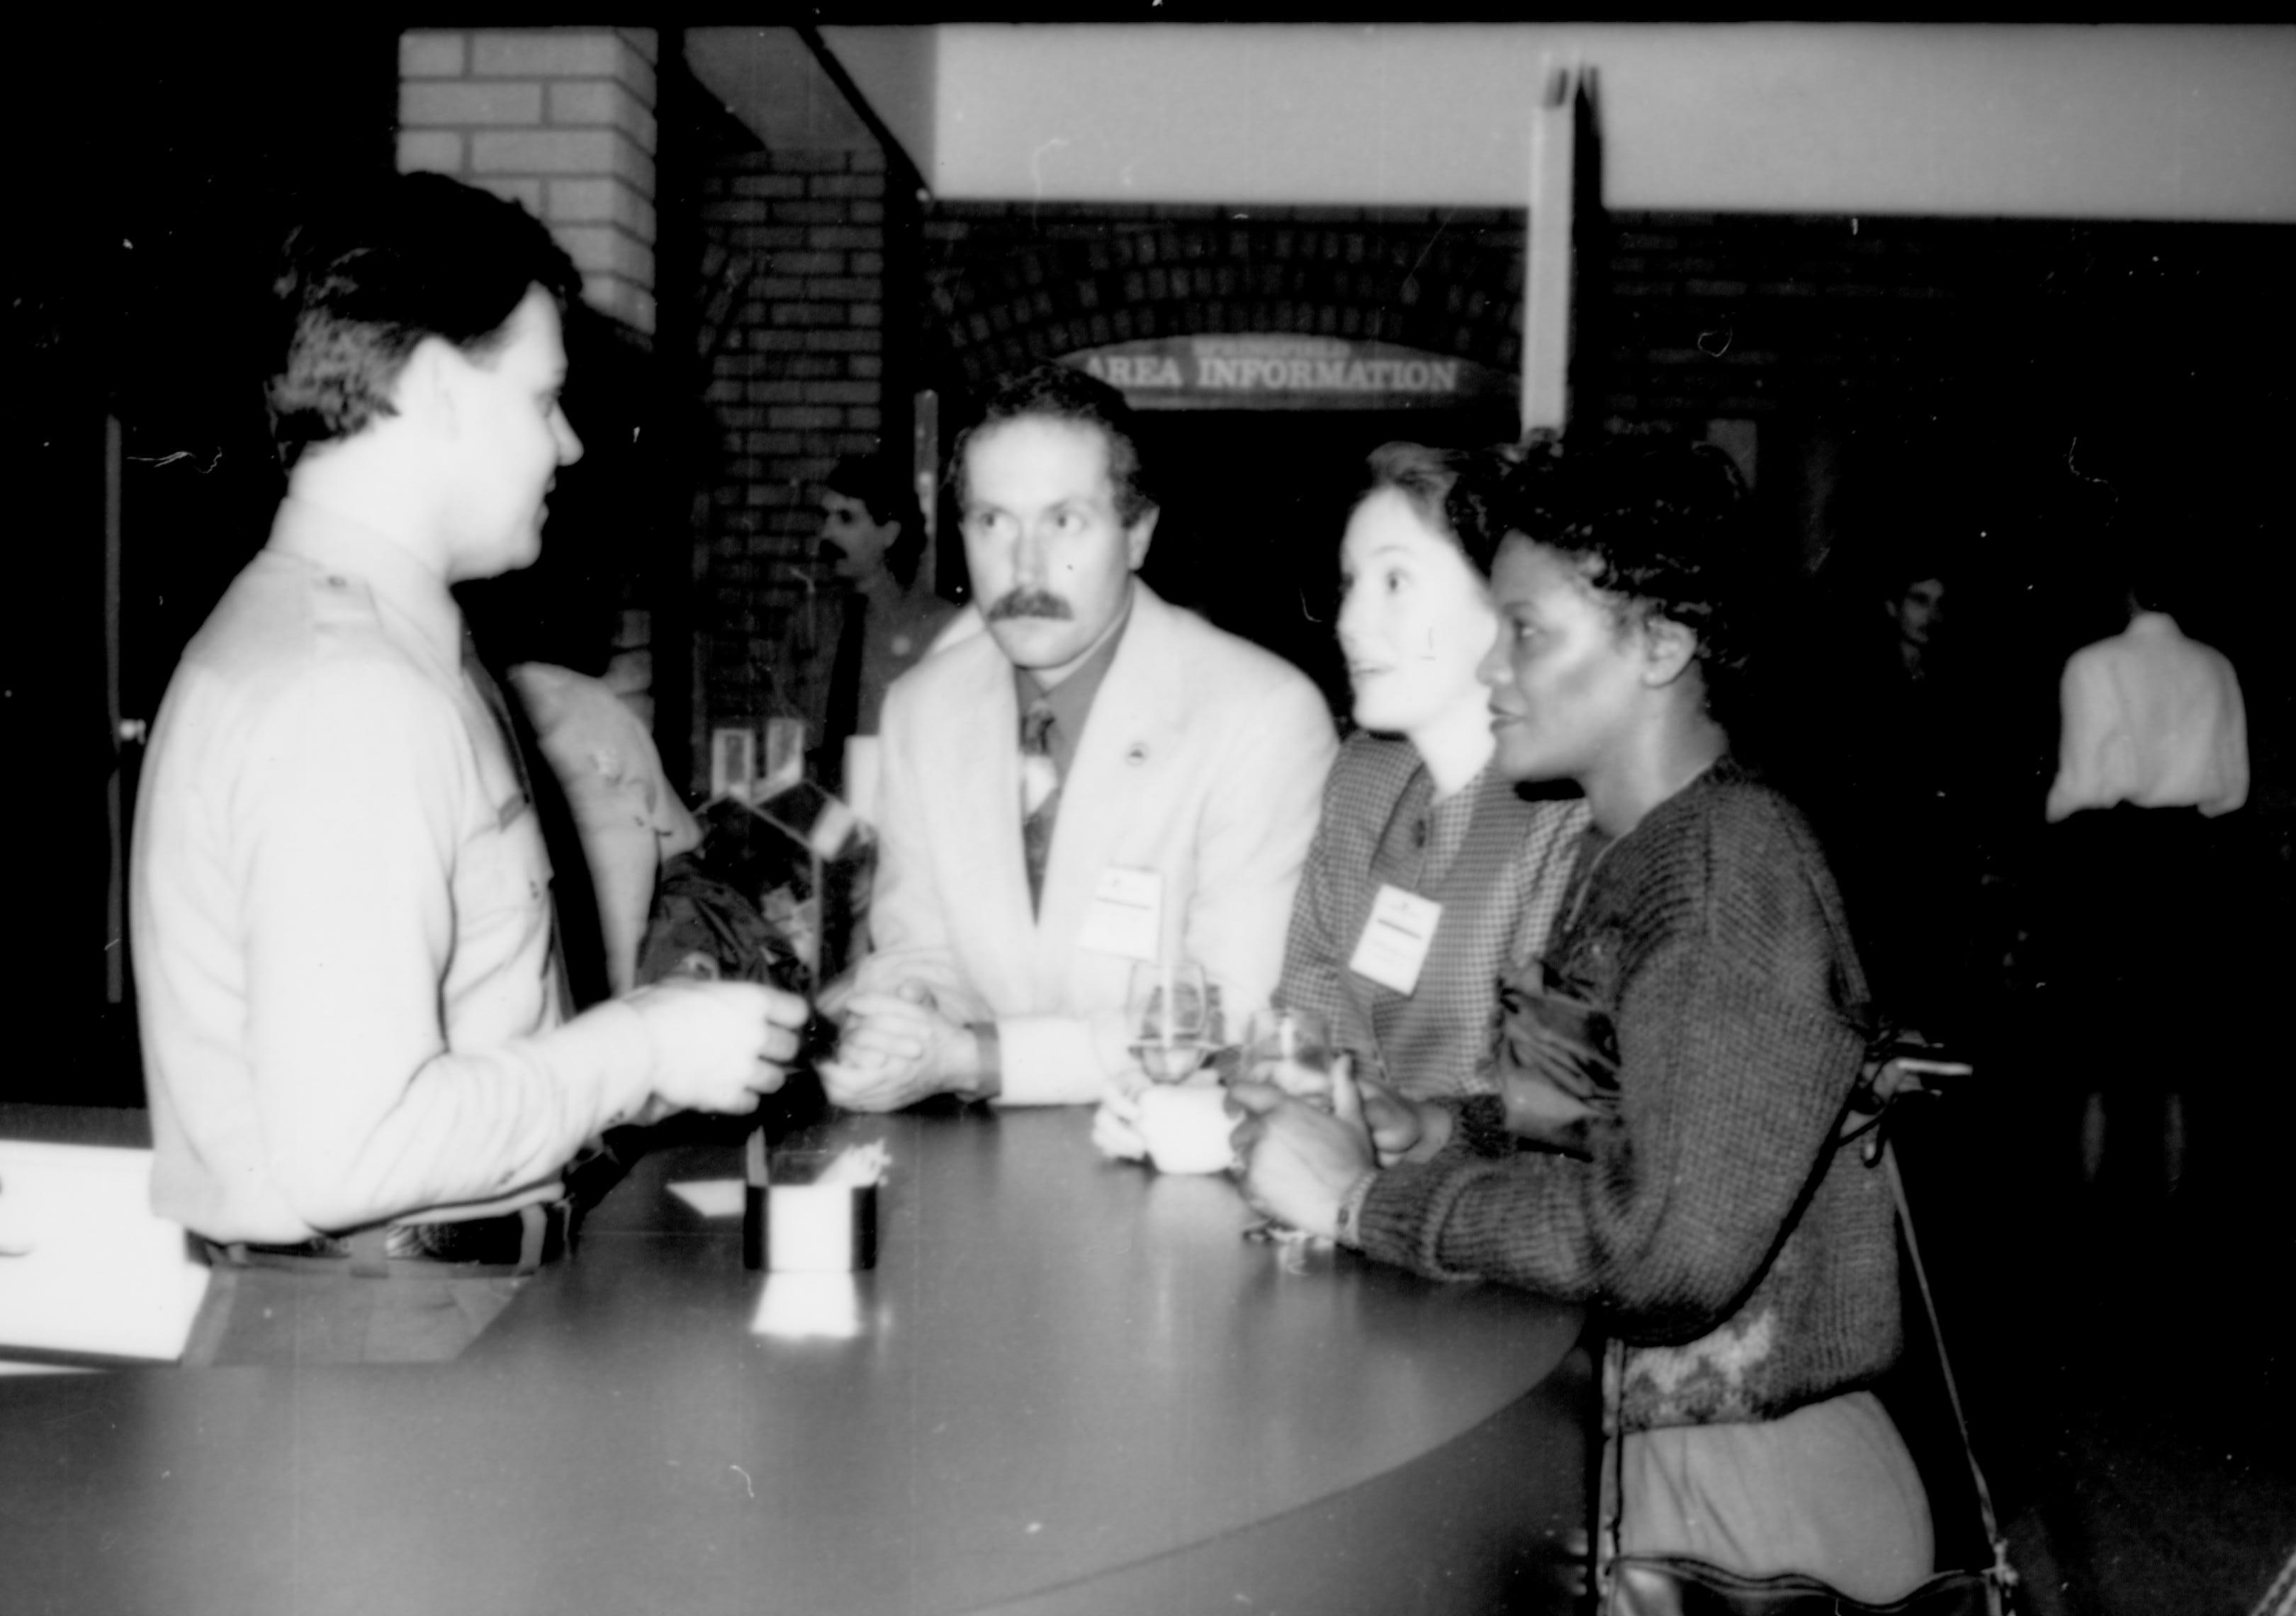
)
(1296, 1162)
(718, 1044)
(896, 1048)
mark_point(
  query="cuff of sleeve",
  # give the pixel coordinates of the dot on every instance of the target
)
(618, 1049)
(1350, 1222)
(1054, 1059)
(1110, 1033)
(1399, 1218)
(988, 1061)
(1479, 1128)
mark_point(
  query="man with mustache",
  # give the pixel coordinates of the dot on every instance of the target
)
(1099, 779)
(364, 1073)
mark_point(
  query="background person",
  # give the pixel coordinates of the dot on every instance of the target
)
(2153, 754)
(1703, 1004)
(1417, 827)
(628, 818)
(1909, 796)
(872, 527)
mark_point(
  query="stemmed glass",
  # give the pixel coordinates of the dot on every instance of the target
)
(1292, 1050)
(1175, 1020)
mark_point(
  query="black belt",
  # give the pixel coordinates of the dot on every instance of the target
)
(511, 1243)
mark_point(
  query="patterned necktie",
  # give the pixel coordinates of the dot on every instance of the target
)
(1400, 859)
(1040, 794)
(490, 693)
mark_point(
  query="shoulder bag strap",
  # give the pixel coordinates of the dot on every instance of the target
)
(1605, 1542)
(2003, 1575)
(1607, 1539)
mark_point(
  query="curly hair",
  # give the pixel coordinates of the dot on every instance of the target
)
(1458, 493)
(1062, 392)
(1657, 525)
(361, 286)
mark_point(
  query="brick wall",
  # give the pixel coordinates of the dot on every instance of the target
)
(560, 119)
(1010, 284)
(1960, 343)
(1692, 317)
(789, 326)
(793, 278)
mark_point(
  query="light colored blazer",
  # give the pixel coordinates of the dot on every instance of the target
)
(1203, 759)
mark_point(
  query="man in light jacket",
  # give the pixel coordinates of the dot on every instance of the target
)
(1100, 780)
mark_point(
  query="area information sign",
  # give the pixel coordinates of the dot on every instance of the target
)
(1288, 372)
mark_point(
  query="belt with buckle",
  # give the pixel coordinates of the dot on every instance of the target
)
(511, 1243)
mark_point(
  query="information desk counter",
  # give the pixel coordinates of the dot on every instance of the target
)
(1068, 1386)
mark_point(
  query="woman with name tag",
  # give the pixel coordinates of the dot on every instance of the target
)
(1702, 1006)
(1430, 875)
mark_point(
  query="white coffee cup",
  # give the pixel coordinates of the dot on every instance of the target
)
(1186, 1127)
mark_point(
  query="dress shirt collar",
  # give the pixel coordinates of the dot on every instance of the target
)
(1071, 699)
(329, 540)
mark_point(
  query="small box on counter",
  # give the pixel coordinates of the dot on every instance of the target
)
(816, 1215)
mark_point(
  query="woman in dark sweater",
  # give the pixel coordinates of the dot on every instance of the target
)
(1680, 1062)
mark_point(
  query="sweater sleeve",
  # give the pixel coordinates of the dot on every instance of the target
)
(1733, 1063)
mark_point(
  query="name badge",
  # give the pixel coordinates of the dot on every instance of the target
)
(1396, 939)
(1127, 916)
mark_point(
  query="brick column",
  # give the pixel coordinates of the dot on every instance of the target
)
(561, 119)
(797, 380)
(794, 241)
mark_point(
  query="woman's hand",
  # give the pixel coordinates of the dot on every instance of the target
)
(1402, 1129)
(1296, 1164)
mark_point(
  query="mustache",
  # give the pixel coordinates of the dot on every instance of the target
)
(1031, 602)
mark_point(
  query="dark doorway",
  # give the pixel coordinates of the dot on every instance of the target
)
(134, 441)
(1253, 504)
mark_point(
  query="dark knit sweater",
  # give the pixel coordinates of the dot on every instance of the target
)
(1705, 1002)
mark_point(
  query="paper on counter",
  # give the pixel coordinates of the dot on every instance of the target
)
(84, 1264)
(858, 1165)
(711, 1197)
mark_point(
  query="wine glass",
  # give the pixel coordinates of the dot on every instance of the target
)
(1174, 1018)
(1292, 1050)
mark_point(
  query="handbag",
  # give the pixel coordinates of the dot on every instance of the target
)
(1682, 1585)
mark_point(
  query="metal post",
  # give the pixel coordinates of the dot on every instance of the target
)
(1548, 262)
